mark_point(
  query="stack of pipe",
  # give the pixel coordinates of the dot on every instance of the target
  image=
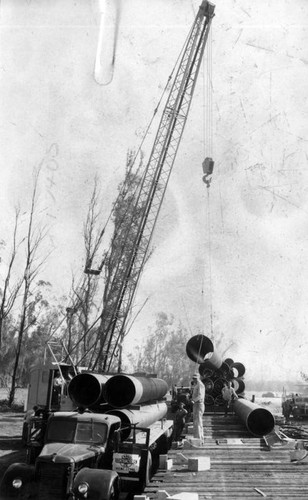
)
(119, 395)
(214, 372)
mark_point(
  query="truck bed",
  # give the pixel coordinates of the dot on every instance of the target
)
(156, 430)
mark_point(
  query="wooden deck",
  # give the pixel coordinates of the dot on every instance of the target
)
(242, 467)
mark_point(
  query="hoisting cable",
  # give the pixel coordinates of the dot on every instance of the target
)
(205, 179)
(135, 317)
(208, 164)
(210, 260)
(210, 149)
(187, 320)
(198, 357)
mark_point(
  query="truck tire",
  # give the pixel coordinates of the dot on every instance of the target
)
(113, 492)
(164, 442)
(20, 471)
(103, 484)
(146, 473)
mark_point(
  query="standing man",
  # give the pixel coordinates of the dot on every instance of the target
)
(198, 395)
(228, 395)
(179, 422)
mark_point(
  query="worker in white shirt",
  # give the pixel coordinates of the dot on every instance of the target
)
(228, 395)
(197, 399)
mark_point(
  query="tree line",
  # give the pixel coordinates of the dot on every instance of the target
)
(35, 322)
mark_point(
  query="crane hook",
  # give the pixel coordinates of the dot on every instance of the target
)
(208, 167)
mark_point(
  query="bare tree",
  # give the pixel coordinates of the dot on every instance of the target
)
(9, 294)
(33, 264)
(85, 337)
(82, 310)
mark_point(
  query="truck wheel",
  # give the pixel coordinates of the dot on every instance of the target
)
(165, 441)
(114, 492)
(147, 474)
(20, 471)
(102, 484)
(149, 469)
(163, 445)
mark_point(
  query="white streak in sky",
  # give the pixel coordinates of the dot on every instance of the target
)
(107, 40)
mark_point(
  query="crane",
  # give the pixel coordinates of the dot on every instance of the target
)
(119, 298)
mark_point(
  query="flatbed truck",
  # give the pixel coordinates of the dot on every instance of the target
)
(89, 455)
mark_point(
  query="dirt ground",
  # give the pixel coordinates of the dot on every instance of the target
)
(11, 422)
(11, 448)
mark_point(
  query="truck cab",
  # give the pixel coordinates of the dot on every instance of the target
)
(75, 461)
(47, 393)
(48, 386)
(300, 406)
(295, 405)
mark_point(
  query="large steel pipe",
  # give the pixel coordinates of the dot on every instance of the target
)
(142, 417)
(86, 389)
(208, 384)
(208, 400)
(238, 369)
(124, 390)
(259, 421)
(200, 349)
(225, 371)
(205, 372)
(218, 385)
(214, 362)
(239, 385)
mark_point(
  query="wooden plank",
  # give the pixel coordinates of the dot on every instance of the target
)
(237, 470)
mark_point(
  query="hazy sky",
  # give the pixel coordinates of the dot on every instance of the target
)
(55, 112)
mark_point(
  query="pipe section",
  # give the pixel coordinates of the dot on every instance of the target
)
(218, 385)
(86, 389)
(259, 421)
(214, 362)
(208, 384)
(123, 390)
(225, 371)
(208, 400)
(205, 372)
(239, 385)
(200, 349)
(142, 417)
(240, 369)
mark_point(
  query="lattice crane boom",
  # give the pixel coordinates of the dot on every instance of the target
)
(151, 192)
